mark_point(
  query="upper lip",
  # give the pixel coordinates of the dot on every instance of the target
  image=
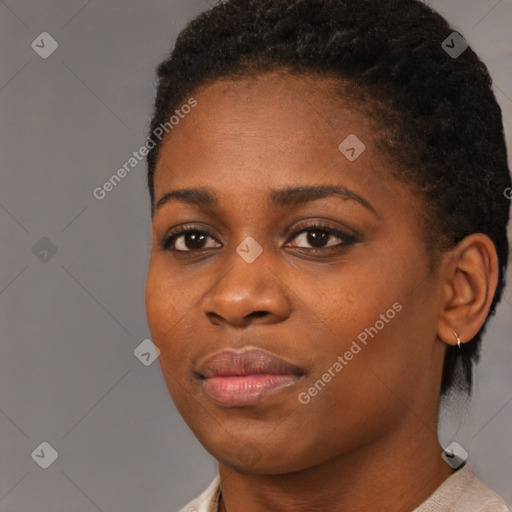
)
(250, 361)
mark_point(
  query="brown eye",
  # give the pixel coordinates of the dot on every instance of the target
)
(320, 236)
(187, 240)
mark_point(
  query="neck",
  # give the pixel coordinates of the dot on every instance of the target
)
(401, 471)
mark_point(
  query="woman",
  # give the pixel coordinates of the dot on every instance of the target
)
(329, 239)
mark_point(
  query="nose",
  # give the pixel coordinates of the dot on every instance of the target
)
(247, 293)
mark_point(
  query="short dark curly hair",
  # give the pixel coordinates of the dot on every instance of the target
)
(443, 126)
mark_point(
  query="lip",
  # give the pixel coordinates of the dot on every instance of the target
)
(241, 378)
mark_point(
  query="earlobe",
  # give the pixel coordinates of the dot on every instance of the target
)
(469, 281)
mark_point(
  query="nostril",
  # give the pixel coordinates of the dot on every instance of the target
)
(257, 314)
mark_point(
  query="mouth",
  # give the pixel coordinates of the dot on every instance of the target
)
(242, 378)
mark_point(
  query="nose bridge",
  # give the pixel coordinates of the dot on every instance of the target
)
(244, 275)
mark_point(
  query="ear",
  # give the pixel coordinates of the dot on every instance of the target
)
(469, 281)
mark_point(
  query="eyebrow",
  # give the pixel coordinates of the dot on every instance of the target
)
(290, 196)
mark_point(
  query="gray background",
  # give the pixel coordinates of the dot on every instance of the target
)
(69, 325)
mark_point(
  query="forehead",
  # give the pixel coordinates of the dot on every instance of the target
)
(269, 123)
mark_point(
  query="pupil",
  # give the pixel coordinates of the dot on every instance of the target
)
(194, 240)
(317, 240)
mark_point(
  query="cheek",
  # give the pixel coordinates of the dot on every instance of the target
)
(158, 305)
(381, 324)
(351, 299)
(166, 307)
(166, 316)
(172, 305)
(387, 359)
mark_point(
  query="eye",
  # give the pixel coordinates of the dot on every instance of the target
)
(322, 238)
(319, 237)
(187, 240)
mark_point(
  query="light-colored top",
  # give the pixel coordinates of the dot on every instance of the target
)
(461, 492)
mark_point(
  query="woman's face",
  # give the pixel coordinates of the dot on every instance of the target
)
(349, 309)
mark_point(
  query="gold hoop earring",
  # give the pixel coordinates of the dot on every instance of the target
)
(458, 338)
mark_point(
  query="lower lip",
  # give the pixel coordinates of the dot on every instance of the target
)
(244, 390)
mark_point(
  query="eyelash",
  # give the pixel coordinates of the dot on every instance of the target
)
(167, 241)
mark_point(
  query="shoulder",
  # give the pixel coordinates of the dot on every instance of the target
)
(461, 492)
(207, 501)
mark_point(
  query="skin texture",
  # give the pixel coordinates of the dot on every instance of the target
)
(368, 440)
